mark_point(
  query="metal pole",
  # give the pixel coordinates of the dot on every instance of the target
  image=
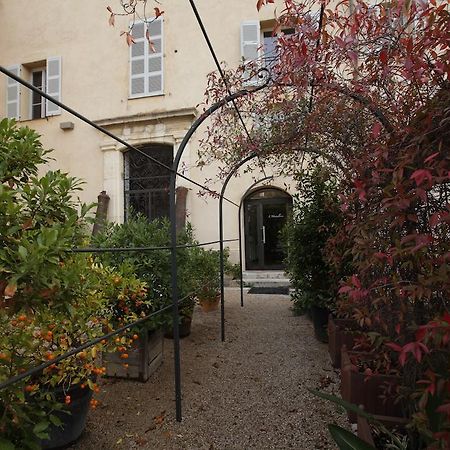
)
(173, 235)
(240, 255)
(222, 265)
(240, 232)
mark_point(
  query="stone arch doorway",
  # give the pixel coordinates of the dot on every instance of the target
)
(265, 213)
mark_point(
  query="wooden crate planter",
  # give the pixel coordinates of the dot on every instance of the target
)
(364, 390)
(338, 335)
(365, 430)
(145, 356)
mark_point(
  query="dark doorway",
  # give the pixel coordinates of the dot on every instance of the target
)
(266, 212)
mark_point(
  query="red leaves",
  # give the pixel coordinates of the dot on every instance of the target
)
(158, 12)
(417, 349)
(420, 175)
(128, 37)
(260, 3)
(376, 129)
(384, 57)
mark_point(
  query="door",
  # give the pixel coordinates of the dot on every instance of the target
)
(264, 219)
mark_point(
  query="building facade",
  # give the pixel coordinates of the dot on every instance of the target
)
(148, 95)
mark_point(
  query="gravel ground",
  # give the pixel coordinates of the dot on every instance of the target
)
(247, 393)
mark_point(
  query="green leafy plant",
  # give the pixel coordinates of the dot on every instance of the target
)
(50, 299)
(152, 267)
(314, 219)
(205, 273)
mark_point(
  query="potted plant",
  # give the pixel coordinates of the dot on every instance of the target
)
(49, 299)
(205, 276)
(153, 267)
(138, 352)
(314, 219)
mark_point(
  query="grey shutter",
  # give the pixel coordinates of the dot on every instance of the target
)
(13, 94)
(137, 61)
(53, 85)
(250, 46)
(155, 58)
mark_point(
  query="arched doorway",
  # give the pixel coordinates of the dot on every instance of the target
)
(265, 213)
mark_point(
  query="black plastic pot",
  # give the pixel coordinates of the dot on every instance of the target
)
(320, 322)
(73, 417)
(184, 328)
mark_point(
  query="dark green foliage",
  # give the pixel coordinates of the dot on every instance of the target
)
(154, 266)
(315, 218)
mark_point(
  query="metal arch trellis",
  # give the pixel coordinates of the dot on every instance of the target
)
(240, 232)
(173, 247)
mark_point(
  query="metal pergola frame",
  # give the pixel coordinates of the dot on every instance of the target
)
(173, 232)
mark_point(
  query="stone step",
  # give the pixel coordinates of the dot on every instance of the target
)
(261, 282)
(264, 274)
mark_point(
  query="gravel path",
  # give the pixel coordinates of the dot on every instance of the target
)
(247, 393)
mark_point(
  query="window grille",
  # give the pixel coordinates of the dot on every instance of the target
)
(146, 184)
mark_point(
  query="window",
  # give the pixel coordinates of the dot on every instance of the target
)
(146, 59)
(270, 47)
(21, 103)
(258, 47)
(37, 101)
(146, 184)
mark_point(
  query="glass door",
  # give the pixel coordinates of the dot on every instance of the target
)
(264, 220)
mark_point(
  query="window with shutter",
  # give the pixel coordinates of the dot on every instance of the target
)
(13, 94)
(250, 43)
(146, 59)
(53, 85)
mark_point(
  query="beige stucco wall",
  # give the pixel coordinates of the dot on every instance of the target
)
(95, 82)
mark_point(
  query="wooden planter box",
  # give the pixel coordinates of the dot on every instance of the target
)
(365, 430)
(145, 356)
(337, 337)
(364, 390)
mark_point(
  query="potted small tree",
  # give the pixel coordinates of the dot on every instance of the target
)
(138, 352)
(49, 299)
(205, 277)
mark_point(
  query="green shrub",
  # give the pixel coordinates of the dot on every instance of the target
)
(153, 267)
(314, 219)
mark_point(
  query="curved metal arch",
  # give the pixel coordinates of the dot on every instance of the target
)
(246, 193)
(251, 191)
(222, 265)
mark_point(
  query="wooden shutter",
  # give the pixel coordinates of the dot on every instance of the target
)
(53, 85)
(250, 45)
(13, 94)
(146, 59)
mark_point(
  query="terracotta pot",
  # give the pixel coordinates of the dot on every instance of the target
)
(364, 390)
(209, 305)
(338, 335)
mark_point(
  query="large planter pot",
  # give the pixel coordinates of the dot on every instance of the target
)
(209, 305)
(74, 422)
(320, 322)
(184, 328)
(368, 391)
(365, 430)
(339, 335)
(144, 357)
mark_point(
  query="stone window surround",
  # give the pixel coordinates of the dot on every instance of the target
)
(167, 128)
